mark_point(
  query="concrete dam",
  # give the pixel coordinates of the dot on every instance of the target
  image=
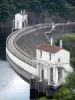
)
(21, 46)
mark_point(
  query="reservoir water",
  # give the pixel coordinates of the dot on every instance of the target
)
(12, 86)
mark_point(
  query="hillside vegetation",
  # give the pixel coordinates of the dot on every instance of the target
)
(69, 44)
(65, 8)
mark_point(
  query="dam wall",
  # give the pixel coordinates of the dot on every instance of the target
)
(21, 45)
(21, 51)
(29, 69)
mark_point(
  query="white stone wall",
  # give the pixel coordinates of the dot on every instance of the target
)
(64, 64)
(21, 64)
(64, 59)
(25, 17)
(62, 54)
(19, 25)
(45, 56)
(20, 18)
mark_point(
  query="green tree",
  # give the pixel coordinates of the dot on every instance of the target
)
(67, 92)
(65, 8)
(70, 81)
(69, 44)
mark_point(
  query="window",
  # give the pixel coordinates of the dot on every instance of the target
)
(40, 54)
(51, 74)
(50, 56)
(17, 25)
(22, 24)
(59, 60)
(42, 73)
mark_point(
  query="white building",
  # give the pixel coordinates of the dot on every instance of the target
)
(20, 20)
(53, 63)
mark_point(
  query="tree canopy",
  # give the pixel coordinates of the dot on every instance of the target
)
(63, 7)
(67, 92)
(69, 44)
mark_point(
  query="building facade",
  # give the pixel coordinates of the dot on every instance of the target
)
(53, 63)
(20, 20)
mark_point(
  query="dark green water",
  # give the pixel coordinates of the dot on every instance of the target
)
(12, 87)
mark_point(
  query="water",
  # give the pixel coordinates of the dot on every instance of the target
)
(12, 87)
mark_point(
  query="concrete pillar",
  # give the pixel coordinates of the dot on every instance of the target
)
(41, 86)
(51, 41)
(60, 43)
(55, 75)
(32, 83)
(49, 91)
(40, 71)
(63, 75)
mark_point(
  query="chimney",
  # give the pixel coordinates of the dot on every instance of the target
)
(21, 11)
(53, 25)
(24, 11)
(60, 43)
(51, 41)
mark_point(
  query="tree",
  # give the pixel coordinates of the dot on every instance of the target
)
(70, 81)
(65, 8)
(67, 92)
(69, 44)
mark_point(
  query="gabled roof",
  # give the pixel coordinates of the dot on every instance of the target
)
(49, 48)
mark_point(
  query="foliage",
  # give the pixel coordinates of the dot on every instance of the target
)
(69, 44)
(63, 7)
(43, 98)
(70, 81)
(72, 61)
(67, 92)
